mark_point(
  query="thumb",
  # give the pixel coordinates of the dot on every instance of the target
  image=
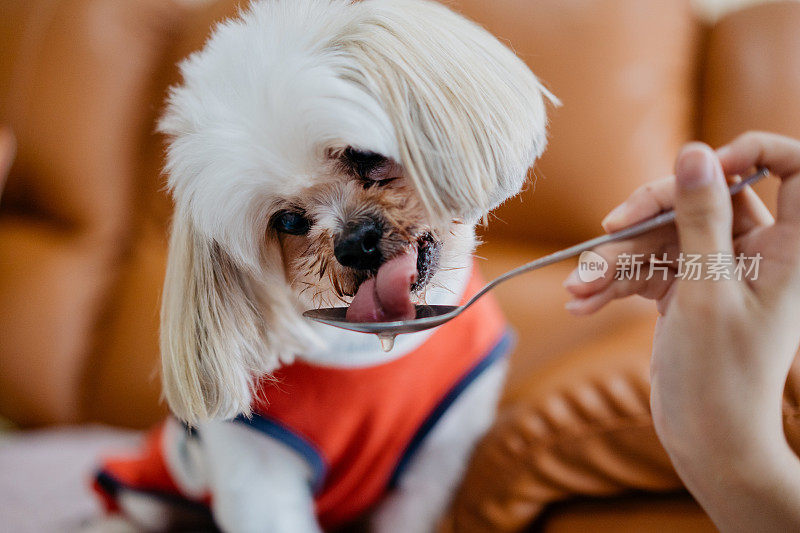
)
(703, 212)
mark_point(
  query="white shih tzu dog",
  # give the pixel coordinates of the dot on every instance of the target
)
(324, 152)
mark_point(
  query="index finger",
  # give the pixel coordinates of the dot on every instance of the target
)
(781, 155)
(658, 196)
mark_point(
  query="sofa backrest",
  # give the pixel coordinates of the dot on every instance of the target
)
(84, 217)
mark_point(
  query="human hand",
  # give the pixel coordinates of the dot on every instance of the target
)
(7, 149)
(722, 349)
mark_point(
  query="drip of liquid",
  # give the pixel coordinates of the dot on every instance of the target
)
(387, 342)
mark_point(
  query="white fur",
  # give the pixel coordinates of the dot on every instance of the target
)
(259, 111)
(258, 485)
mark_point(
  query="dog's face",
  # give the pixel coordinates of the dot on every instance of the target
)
(310, 142)
(362, 211)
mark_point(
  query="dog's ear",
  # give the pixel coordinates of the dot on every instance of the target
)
(211, 327)
(221, 328)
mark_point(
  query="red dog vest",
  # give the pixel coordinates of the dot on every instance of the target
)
(356, 427)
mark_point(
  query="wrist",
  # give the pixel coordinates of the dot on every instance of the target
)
(701, 438)
(729, 416)
(741, 458)
(754, 492)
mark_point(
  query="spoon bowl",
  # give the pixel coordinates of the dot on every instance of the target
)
(428, 316)
(431, 316)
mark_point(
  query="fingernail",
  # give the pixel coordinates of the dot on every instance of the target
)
(695, 167)
(572, 305)
(573, 280)
(616, 216)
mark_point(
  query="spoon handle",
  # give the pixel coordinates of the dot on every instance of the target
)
(650, 224)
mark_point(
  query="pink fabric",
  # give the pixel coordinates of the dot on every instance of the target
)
(45, 476)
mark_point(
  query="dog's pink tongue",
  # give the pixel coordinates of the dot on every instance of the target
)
(387, 296)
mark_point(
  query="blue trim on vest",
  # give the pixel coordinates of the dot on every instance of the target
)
(500, 350)
(112, 486)
(298, 443)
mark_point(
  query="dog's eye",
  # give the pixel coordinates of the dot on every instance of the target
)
(371, 167)
(362, 163)
(292, 222)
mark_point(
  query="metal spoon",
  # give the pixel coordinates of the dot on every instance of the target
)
(430, 316)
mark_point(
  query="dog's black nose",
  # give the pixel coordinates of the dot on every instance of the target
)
(357, 246)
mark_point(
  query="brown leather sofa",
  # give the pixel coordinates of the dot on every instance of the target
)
(83, 221)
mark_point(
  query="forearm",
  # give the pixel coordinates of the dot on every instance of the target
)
(753, 492)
